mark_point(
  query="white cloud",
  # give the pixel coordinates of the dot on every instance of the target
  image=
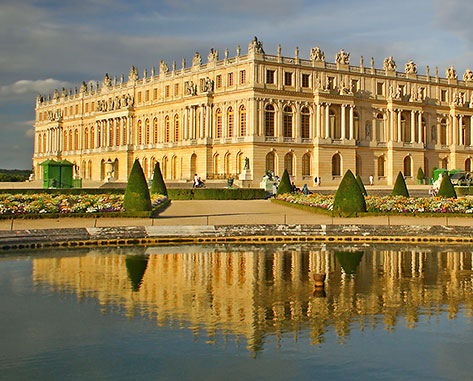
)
(27, 87)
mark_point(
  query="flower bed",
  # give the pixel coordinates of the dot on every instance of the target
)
(389, 204)
(65, 204)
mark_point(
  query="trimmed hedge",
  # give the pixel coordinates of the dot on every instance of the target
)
(158, 186)
(400, 187)
(217, 194)
(446, 189)
(64, 191)
(464, 191)
(285, 184)
(349, 200)
(137, 198)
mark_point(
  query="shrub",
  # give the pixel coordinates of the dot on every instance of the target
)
(446, 189)
(285, 184)
(362, 186)
(217, 194)
(158, 186)
(349, 199)
(137, 197)
(420, 174)
(400, 188)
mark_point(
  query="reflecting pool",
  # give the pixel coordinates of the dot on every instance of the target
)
(237, 312)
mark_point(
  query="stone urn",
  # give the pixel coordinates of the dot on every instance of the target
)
(319, 280)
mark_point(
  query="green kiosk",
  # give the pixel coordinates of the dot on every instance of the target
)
(58, 174)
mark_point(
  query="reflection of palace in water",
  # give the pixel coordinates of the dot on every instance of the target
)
(255, 293)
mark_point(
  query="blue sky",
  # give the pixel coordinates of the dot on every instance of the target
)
(53, 44)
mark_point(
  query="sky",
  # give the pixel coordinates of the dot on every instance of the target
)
(46, 45)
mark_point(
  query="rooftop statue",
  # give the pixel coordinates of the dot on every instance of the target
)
(342, 58)
(468, 76)
(255, 46)
(317, 55)
(163, 68)
(451, 73)
(411, 67)
(389, 63)
(133, 76)
(107, 80)
(197, 60)
(213, 55)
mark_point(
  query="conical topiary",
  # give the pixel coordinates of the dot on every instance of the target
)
(400, 187)
(349, 199)
(362, 186)
(420, 174)
(137, 193)
(446, 189)
(158, 186)
(285, 184)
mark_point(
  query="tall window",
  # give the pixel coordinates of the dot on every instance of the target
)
(70, 140)
(443, 131)
(270, 76)
(336, 165)
(269, 120)
(76, 139)
(305, 123)
(306, 164)
(110, 133)
(407, 166)
(215, 163)
(305, 80)
(92, 137)
(242, 77)
(242, 121)
(176, 128)
(380, 128)
(125, 138)
(218, 123)
(270, 162)
(287, 122)
(230, 79)
(140, 135)
(167, 128)
(219, 81)
(155, 130)
(117, 132)
(468, 165)
(289, 163)
(147, 131)
(381, 166)
(356, 125)
(287, 78)
(86, 138)
(226, 164)
(230, 122)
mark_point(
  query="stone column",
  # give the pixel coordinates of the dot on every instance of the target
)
(203, 130)
(317, 122)
(460, 130)
(439, 129)
(391, 126)
(343, 121)
(352, 132)
(327, 120)
(419, 127)
(455, 130)
(374, 138)
(96, 134)
(186, 123)
(131, 135)
(279, 120)
(296, 126)
(413, 125)
(471, 131)
(399, 125)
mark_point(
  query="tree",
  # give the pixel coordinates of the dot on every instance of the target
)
(285, 184)
(137, 197)
(446, 189)
(400, 187)
(349, 199)
(362, 186)
(158, 186)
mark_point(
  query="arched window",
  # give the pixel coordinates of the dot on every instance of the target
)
(380, 128)
(147, 131)
(239, 161)
(269, 121)
(176, 128)
(140, 134)
(407, 166)
(230, 122)
(117, 132)
(215, 165)
(92, 137)
(145, 167)
(99, 136)
(242, 121)
(218, 123)
(155, 130)
(468, 165)
(193, 165)
(226, 164)
(381, 166)
(306, 164)
(336, 165)
(86, 141)
(70, 140)
(167, 129)
(335, 132)
(305, 123)
(444, 163)
(271, 162)
(174, 167)
(287, 122)
(45, 141)
(289, 163)
(125, 140)
(110, 133)
(89, 169)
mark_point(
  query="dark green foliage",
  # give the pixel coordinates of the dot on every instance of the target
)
(136, 267)
(432, 172)
(349, 260)
(64, 191)
(446, 189)
(362, 186)
(14, 175)
(349, 199)
(400, 187)
(158, 186)
(420, 174)
(217, 194)
(137, 197)
(285, 184)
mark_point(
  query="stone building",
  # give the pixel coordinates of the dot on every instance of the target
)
(314, 118)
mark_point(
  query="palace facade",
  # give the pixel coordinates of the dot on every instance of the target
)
(312, 117)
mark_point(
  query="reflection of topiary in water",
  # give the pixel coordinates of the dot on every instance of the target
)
(158, 186)
(137, 193)
(136, 267)
(285, 184)
(349, 200)
(349, 261)
(446, 189)
(362, 186)
(400, 187)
